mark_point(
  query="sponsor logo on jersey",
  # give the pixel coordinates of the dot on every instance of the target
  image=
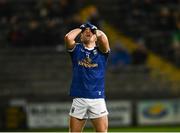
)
(87, 62)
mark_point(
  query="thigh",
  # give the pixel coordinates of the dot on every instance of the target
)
(97, 108)
(100, 124)
(78, 109)
(76, 125)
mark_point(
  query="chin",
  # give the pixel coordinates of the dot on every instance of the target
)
(85, 42)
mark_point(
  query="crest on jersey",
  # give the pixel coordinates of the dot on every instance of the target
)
(95, 51)
(82, 50)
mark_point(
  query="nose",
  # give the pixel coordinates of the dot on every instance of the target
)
(88, 30)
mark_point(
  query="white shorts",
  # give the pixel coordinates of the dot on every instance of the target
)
(83, 108)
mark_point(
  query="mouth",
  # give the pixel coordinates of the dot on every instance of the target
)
(88, 35)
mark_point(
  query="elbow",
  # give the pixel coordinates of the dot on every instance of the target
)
(67, 38)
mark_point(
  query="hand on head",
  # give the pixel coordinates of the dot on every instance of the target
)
(92, 27)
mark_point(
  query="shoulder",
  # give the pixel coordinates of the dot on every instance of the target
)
(77, 46)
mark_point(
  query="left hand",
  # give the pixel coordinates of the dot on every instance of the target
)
(92, 27)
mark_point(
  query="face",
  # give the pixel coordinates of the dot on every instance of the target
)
(87, 36)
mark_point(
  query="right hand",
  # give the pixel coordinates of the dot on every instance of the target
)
(92, 27)
(83, 27)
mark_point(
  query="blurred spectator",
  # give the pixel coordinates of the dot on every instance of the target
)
(38, 23)
(50, 33)
(176, 43)
(148, 6)
(16, 36)
(165, 21)
(75, 20)
(5, 9)
(94, 17)
(119, 57)
(65, 9)
(139, 55)
(154, 20)
(34, 35)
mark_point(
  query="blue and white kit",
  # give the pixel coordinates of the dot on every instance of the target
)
(88, 72)
(87, 87)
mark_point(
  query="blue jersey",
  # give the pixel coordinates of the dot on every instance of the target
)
(88, 72)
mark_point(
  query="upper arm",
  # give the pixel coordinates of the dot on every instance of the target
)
(70, 38)
(103, 42)
(70, 43)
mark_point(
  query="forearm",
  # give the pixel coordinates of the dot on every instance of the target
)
(70, 37)
(102, 41)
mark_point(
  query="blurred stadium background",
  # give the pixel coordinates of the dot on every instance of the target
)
(143, 73)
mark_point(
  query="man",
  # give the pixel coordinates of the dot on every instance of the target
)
(87, 87)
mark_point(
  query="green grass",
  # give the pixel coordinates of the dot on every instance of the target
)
(123, 129)
(146, 129)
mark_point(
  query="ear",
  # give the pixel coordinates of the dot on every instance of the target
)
(81, 37)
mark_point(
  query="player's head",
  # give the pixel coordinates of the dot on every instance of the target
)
(88, 33)
(87, 36)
